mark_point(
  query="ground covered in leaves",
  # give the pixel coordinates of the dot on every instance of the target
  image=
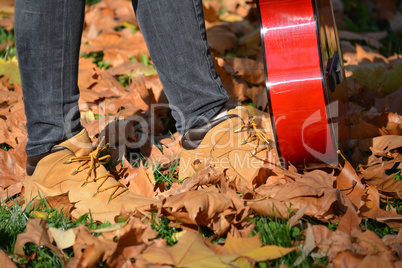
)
(316, 215)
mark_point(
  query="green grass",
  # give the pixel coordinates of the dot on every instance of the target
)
(5, 147)
(274, 231)
(134, 29)
(397, 176)
(168, 175)
(97, 59)
(359, 19)
(397, 203)
(125, 80)
(165, 231)
(14, 220)
(381, 229)
(8, 51)
(92, 2)
(394, 204)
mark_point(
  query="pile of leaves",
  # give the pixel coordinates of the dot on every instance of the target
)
(345, 216)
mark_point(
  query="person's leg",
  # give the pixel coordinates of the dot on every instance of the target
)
(174, 31)
(48, 37)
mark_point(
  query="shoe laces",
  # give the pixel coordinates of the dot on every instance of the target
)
(90, 163)
(254, 134)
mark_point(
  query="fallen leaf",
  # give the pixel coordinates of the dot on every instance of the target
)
(6, 261)
(308, 247)
(60, 202)
(192, 251)
(10, 67)
(63, 238)
(370, 38)
(350, 184)
(205, 176)
(221, 39)
(36, 233)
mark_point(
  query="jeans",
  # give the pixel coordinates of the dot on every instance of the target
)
(48, 36)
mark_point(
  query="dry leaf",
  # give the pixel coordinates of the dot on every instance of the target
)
(37, 234)
(63, 238)
(192, 251)
(6, 261)
(350, 184)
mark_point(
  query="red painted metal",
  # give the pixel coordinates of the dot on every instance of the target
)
(294, 44)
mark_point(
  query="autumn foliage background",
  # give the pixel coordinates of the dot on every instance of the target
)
(348, 216)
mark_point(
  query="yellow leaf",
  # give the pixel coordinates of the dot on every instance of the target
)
(39, 215)
(63, 238)
(231, 18)
(10, 68)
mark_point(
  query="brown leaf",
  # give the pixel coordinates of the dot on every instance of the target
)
(236, 246)
(372, 209)
(221, 39)
(376, 175)
(6, 261)
(61, 202)
(395, 242)
(211, 10)
(84, 240)
(90, 256)
(138, 180)
(349, 222)
(201, 205)
(8, 22)
(129, 245)
(192, 251)
(314, 189)
(205, 176)
(8, 98)
(386, 143)
(308, 247)
(262, 176)
(350, 184)
(294, 220)
(129, 68)
(37, 234)
(374, 262)
(364, 130)
(393, 127)
(370, 38)
(12, 171)
(12, 126)
(250, 70)
(346, 259)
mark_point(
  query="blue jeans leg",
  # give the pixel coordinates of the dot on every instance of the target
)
(175, 33)
(48, 35)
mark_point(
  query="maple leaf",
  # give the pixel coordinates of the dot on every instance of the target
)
(193, 251)
(36, 233)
